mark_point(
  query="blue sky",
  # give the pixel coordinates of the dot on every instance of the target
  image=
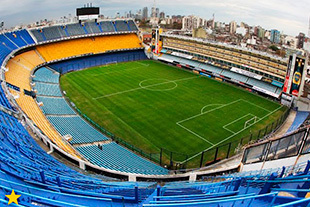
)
(288, 16)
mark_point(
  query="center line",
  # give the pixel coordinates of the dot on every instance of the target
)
(134, 89)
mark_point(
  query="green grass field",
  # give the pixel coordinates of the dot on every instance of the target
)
(152, 105)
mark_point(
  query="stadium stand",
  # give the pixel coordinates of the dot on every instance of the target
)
(55, 106)
(79, 129)
(76, 29)
(19, 75)
(92, 27)
(91, 45)
(32, 110)
(107, 26)
(42, 180)
(132, 26)
(263, 85)
(45, 75)
(38, 34)
(97, 60)
(20, 68)
(300, 118)
(256, 84)
(115, 157)
(121, 26)
(4, 101)
(47, 89)
(8, 43)
(21, 38)
(54, 32)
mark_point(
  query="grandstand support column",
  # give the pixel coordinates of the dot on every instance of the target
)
(82, 165)
(132, 178)
(192, 177)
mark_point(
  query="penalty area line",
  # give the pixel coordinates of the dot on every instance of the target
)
(270, 113)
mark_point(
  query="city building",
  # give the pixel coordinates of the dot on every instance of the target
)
(275, 36)
(145, 13)
(232, 27)
(162, 15)
(192, 22)
(301, 39)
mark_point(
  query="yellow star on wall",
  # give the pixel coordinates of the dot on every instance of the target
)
(13, 198)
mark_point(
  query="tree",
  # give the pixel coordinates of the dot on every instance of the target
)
(274, 48)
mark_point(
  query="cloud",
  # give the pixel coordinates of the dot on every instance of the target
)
(286, 15)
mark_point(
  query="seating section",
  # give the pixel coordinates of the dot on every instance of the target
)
(47, 89)
(13, 40)
(32, 110)
(55, 106)
(132, 26)
(107, 26)
(4, 101)
(19, 75)
(46, 75)
(54, 32)
(21, 38)
(41, 180)
(262, 85)
(300, 118)
(79, 129)
(76, 29)
(115, 157)
(97, 60)
(235, 76)
(91, 45)
(20, 68)
(256, 84)
(258, 188)
(121, 26)
(92, 27)
(38, 34)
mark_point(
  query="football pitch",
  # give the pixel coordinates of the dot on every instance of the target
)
(152, 105)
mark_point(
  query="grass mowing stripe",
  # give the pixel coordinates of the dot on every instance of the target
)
(151, 115)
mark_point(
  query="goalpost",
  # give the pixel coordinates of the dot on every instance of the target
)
(250, 122)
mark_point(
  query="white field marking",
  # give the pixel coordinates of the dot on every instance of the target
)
(201, 111)
(168, 89)
(117, 71)
(225, 126)
(147, 65)
(139, 88)
(256, 105)
(224, 140)
(197, 135)
(222, 106)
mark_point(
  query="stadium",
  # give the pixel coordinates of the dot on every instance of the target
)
(92, 116)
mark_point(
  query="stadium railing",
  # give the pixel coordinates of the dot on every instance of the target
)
(294, 144)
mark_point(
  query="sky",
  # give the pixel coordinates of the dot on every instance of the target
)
(288, 16)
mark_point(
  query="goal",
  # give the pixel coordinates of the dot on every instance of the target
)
(250, 122)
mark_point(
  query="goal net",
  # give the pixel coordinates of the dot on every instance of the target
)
(250, 122)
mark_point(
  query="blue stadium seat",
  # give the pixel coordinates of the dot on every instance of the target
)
(55, 106)
(115, 157)
(45, 75)
(79, 129)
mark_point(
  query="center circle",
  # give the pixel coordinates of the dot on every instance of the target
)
(158, 84)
